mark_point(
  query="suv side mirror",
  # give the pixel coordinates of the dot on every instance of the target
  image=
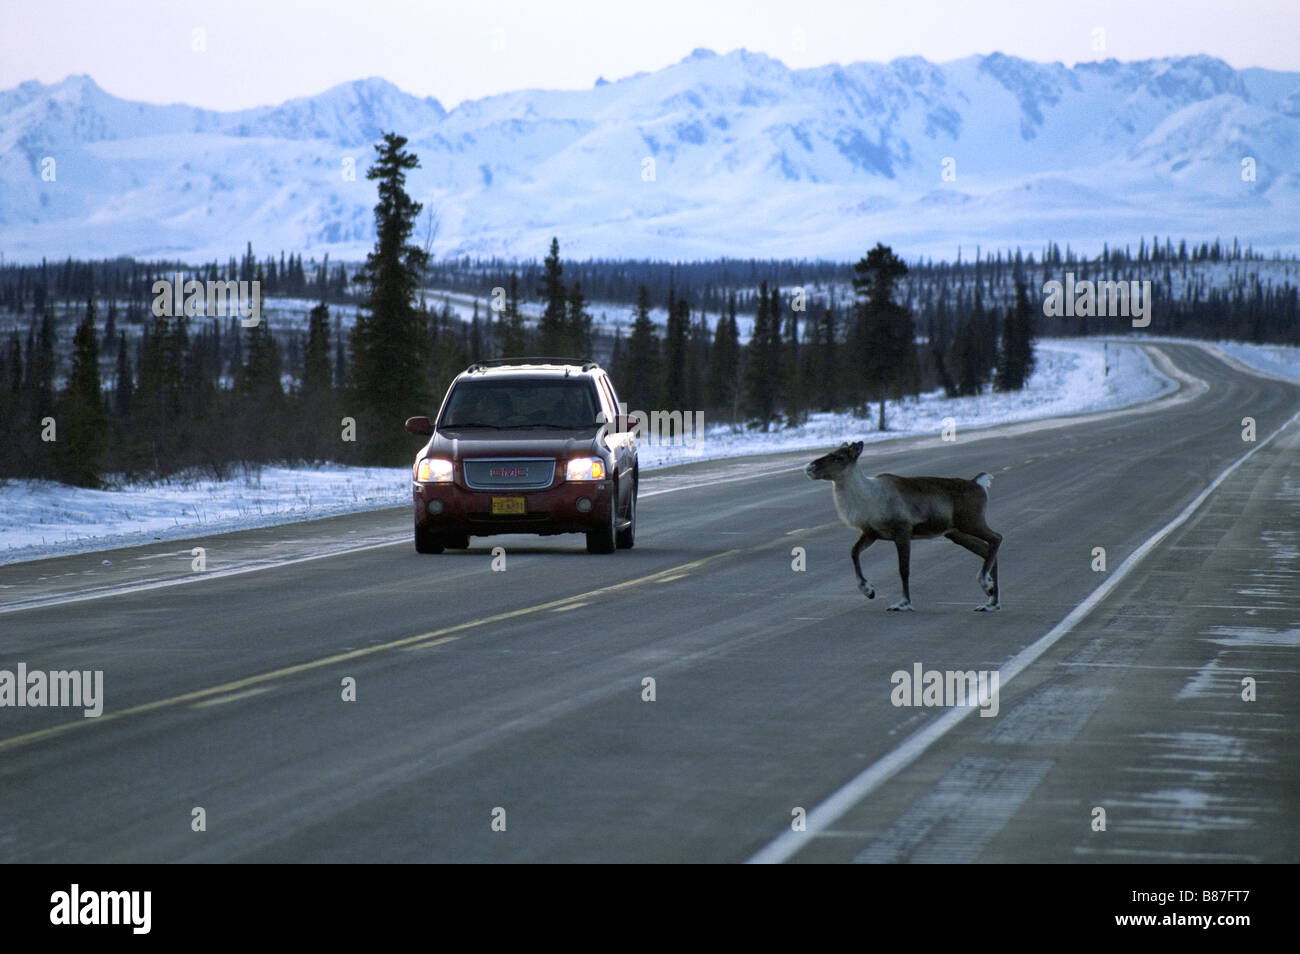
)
(419, 425)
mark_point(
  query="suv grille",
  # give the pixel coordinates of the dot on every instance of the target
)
(516, 473)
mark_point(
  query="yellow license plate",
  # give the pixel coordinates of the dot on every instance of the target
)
(507, 505)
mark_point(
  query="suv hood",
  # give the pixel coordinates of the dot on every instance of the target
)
(457, 444)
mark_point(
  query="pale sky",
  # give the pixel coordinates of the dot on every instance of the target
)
(231, 54)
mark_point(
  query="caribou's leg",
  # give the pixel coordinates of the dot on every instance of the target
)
(868, 537)
(903, 543)
(981, 549)
(994, 540)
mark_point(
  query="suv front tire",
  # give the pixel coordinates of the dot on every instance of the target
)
(605, 538)
(626, 538)
(426, 541)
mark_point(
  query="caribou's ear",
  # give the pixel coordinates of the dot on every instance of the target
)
(857, 450)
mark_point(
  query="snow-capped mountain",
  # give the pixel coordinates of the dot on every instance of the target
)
(714, 155)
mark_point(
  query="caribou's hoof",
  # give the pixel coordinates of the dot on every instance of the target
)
(988, 608)
(902, 606)
(868, 590)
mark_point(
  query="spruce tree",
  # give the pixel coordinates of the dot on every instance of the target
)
(11, 374)
(15, 435)
(673, 390)
(725, 360)
(986, 323)
(640, 381)
(968, 357)
(884, 339)
(259, 383)
(152, 397)
(39, 376)
(123, 387)
(317, 404)
(83, 423)
(578, 324)
(774, 352)
(477, 347)
(390, 354)
(448, 346)
(513, 333)
(1016, 357)
(795, 413)
(317, 380)
(760, 359)
(698, 357)
(939, 348)
(825, 361)
(340, 360)
(552, 329)
(617, 355)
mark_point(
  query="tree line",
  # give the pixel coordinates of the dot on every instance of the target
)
(712, 282)
(207, 393)
(29, 288)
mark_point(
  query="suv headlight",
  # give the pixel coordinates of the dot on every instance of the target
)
(434, 470)
(585, 468)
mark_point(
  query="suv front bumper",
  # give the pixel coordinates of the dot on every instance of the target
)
(557, 509)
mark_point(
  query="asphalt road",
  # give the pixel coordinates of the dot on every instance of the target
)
(518, 696)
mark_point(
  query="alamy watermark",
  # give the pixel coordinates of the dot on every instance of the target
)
(1089, 299)
(58, 688)
(948, 687)
(212, 299)
(665, 428)
(77, 906)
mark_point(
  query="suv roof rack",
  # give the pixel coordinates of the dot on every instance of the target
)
(586, 363)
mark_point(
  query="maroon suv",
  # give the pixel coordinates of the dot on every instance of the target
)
(526, 445)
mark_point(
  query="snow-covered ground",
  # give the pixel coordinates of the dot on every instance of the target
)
(41, 519)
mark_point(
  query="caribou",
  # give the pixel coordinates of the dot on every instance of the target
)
(903, 509)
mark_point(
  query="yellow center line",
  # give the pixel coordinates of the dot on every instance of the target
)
(407, 641)
(571, 606)
(820, 528)
(431, 644)
(234, 697)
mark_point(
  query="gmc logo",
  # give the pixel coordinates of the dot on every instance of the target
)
(508, 472)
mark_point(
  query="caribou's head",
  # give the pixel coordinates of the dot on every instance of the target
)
(831, 466)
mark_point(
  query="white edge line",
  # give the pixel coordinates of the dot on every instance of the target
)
(790, 842)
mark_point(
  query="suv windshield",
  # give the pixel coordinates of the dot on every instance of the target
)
(563, 404)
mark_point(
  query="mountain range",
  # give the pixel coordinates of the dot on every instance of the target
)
(716, 155)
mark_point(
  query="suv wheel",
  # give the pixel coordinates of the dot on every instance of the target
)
(605, 538)
(626, 538)
(427, 541)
